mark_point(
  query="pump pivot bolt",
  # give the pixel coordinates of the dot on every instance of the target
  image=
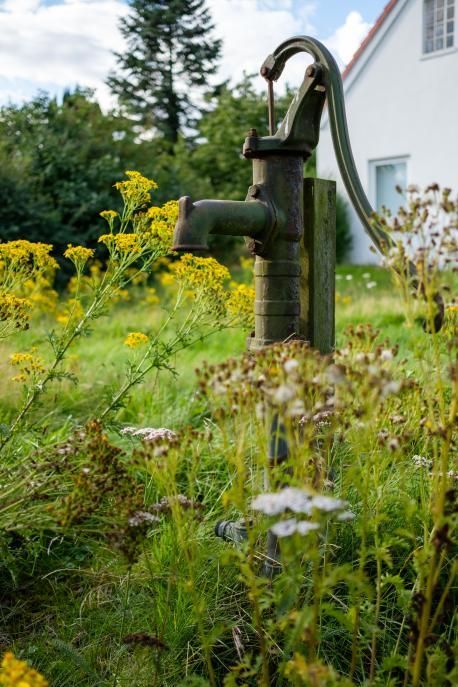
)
(264, 71)
(310, 71)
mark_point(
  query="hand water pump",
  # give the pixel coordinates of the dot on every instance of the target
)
(289, 222)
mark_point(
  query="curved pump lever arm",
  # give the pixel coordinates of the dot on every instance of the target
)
(273, 67)
(332, 82)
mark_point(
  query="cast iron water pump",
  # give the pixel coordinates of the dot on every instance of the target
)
(294, 266)
(289, 222)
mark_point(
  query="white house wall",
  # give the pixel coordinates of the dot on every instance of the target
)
(400, 104)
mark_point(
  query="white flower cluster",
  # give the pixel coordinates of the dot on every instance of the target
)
(427, 463)
(150, 433)
(285, 528)
(299, 501)
(142, 516)
(422, 462)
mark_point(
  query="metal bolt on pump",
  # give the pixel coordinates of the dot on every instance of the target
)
(289, 222)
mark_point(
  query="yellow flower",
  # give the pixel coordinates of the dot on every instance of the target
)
(79, 255)
(163, 220)
(136, 189)
(122, 243)
(33, 256)
(202, 274)
(240, 302)
(151, 296)
(135, 339)
(246, 263)
(14, 310)
(452, 308)
(29, 365)
(16, 673)
(109, 215)
(121, 295)
(166, 279)
(71, 312)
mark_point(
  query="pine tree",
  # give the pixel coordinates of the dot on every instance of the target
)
(170, 50)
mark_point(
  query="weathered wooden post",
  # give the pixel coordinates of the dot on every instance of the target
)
(289, 223)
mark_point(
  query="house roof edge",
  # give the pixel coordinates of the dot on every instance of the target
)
(387, 10)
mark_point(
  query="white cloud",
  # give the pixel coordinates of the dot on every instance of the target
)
(346, 39)
(72, 42)
(64, 44)
(252, 29)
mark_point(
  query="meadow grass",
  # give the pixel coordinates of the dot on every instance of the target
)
(68, 611)
(99, 361)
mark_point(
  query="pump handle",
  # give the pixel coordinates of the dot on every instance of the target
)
(332, 81)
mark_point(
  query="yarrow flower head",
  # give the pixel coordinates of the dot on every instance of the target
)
(17, 673)
(141, 517)
(297, 501)
(285, 528)
(135, 339)
(151, 433)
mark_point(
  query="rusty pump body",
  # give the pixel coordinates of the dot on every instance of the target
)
(272, 216)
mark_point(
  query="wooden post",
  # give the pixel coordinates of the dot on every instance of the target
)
(318, 260)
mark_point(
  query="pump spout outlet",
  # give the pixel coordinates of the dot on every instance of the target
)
(196, 221)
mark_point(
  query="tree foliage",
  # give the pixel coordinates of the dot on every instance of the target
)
(170, 50)
(59, 161)
(58, 164)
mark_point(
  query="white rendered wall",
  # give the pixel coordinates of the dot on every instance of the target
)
(401, 104)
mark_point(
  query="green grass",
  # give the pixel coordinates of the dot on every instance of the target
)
(67, 611)
(99, 361)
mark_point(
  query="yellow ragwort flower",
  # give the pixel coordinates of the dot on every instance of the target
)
(79, 255)
(25, 254)
(203, 274)
(136, 189)
(122, 243)
(109, 215)
(240, 302)
(135, 339)
(72, 311)
(29, 365)
(163, 220)
(15, 310)
(17, 673)
(151, 296)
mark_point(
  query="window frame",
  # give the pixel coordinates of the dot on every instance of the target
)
(380, 162)
(436, 52)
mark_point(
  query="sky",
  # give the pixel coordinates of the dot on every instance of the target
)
(53, 45)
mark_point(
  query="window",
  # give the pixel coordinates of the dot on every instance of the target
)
(439, 25)
(385, 176)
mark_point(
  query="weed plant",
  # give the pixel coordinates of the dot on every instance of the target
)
(340, 472)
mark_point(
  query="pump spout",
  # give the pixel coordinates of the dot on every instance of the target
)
(196, 221)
